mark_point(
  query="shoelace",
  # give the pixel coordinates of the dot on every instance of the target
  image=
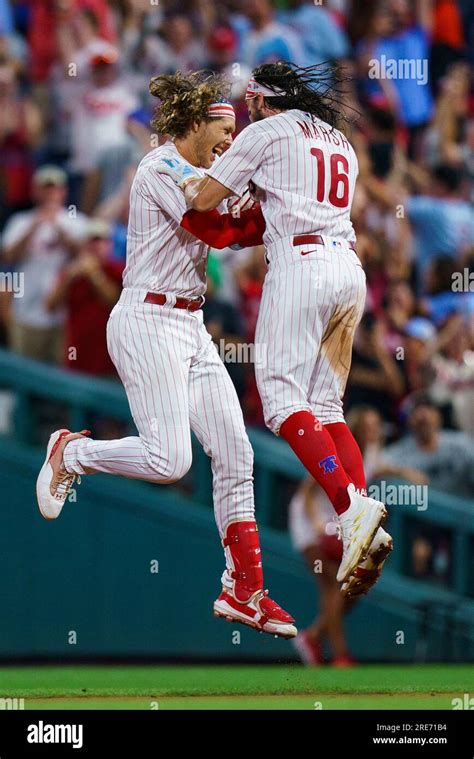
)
(345, 531)
(63, 484)
(342, 530)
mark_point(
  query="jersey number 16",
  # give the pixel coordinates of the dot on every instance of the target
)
(339, 177)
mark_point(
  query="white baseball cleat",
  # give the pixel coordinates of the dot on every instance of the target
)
(358, 525)
(368, 572)
(54, 482)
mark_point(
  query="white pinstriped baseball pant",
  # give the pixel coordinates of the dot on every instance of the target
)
(175, 381)
(311, 306)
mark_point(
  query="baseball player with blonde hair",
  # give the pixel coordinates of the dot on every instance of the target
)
(174, 378)
(304, 170)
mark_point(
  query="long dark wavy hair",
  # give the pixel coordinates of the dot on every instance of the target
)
(318, 89)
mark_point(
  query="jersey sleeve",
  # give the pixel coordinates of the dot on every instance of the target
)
(161, 193)
(238, 164)
(223, 230)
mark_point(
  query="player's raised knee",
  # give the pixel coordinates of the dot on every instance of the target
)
(167, 469)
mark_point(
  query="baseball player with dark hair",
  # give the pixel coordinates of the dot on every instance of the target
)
(304, 170)
(174, 378)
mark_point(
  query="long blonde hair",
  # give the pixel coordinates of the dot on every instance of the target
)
(185, 100)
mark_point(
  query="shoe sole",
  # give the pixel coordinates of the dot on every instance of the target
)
(278, 633)
(359, 557)
(364, 584)
(52, 440)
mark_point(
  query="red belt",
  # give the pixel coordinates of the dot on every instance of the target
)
(190, 304)
(314, 240)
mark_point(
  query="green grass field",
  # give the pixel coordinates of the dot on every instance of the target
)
(237, 687)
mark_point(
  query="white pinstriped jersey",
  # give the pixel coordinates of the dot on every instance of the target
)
(305, 172)
(171, 370)
(161, 255)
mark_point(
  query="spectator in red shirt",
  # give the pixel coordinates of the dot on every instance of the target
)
(88, 289)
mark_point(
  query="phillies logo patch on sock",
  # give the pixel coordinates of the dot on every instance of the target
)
(328, 464)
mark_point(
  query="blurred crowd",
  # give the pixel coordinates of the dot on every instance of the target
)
(74, 123)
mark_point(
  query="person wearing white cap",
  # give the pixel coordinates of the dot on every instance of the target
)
(37, 244)
(98, 104)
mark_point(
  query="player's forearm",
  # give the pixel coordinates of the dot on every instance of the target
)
(194, 196)
(205, 194)
(201, 193)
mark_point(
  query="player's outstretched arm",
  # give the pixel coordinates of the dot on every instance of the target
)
(180, 171)
(203, 194)
(206, 194)
(224, 230)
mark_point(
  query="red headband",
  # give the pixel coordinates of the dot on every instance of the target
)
(220, 110)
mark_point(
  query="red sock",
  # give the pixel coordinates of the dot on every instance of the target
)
(349, 453)
(315, 448)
